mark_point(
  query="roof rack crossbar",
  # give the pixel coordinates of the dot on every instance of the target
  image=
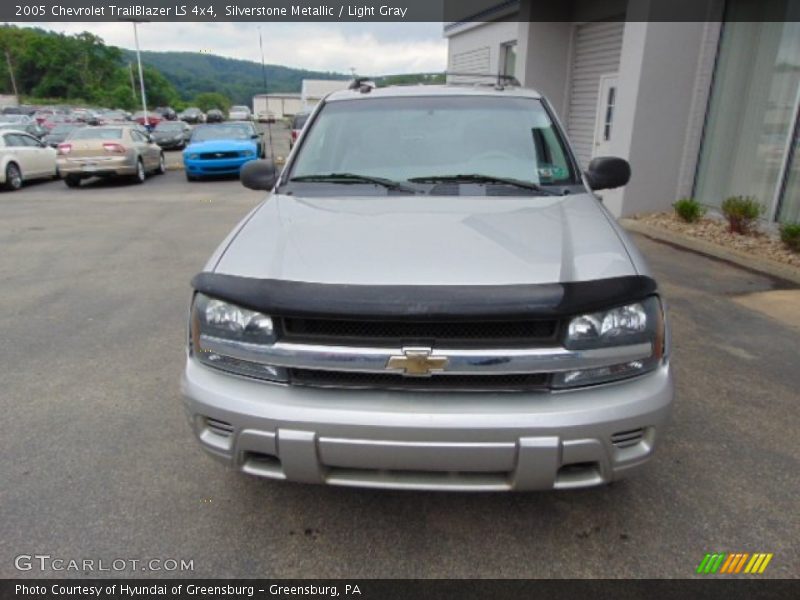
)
(499, 79)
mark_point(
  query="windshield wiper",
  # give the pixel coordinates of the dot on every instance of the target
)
(355, 178)
(478, 178)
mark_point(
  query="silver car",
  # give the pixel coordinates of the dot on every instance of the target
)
(431, 297)
(240, 113)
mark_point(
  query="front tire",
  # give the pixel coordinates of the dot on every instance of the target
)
(190, 177)
(140, 175)
(13, 177)
(162, 165)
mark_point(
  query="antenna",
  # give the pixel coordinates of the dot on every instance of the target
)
(266, 95)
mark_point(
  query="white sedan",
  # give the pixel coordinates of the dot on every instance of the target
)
(22, 158)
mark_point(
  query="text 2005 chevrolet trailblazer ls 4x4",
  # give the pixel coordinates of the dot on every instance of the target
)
(431, 297)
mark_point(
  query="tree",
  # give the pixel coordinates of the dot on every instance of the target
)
(208, 100)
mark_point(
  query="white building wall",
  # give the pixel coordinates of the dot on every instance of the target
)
(656, 124)
(281, 105)
(478, 49)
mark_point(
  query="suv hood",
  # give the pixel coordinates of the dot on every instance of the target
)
(428, 240)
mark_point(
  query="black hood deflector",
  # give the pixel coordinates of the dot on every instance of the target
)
(423, 302)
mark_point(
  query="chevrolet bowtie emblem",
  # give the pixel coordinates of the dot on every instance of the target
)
(417, 362)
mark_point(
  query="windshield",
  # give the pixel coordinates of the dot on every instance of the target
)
(95, 133)
(220, 132)
(427, 137)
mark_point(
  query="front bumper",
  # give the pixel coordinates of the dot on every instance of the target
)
(432, 441)
(221, 166)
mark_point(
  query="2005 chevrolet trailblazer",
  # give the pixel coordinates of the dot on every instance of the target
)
(430, 298)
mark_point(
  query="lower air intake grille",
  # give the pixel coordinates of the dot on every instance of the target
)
(624, 439)
(221, 428)
(444, 383)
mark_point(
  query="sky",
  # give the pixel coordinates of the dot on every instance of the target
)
(369, 48)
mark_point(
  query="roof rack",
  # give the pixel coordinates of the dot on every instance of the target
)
(499, 81)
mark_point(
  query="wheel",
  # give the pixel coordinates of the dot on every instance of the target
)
(140, 175)
(57, 175)
(72, 181)
(13, 177)
(162, 165)
(190, 177)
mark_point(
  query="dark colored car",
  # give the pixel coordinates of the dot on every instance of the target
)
(193, 115)
(20, 110)
(83, 115)
(250, 130)
(215, 116)
(298, 122)
(166, 112)
(59, 132)
(172, 134)
(31, 128)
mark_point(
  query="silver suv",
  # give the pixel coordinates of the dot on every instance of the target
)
(431, 297)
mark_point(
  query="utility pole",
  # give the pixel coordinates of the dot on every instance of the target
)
(266, 94)
(133, 84)
(139, 61)
(11, 73)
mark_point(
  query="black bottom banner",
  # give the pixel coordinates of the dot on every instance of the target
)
(397, 589)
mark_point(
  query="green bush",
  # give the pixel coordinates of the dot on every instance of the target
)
(790, 235)
(741, 212)
(689, 209)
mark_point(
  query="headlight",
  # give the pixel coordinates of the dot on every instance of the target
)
(219, 327)
(637, 323)
(192, 156)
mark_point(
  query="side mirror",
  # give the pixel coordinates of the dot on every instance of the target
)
(259, 175)
(255, 136)
(150, 138)
(607, 172)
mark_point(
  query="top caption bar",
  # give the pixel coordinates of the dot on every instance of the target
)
(452, 13)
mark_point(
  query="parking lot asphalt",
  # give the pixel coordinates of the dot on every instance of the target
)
(97, 460)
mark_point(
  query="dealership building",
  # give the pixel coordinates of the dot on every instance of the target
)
(705, 109)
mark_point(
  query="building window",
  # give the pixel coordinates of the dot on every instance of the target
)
(750, 132)
(508, 56)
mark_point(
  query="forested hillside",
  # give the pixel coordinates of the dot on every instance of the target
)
(81, 68)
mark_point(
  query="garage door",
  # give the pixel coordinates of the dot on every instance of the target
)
(472, 61)
(597, 48)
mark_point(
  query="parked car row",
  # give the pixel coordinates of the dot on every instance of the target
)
(124, 150)
(76, 151)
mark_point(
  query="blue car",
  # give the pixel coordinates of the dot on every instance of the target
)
(219, 150)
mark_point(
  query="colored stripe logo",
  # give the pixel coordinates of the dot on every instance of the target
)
(734, 562)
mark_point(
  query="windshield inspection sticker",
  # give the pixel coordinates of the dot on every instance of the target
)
(551, 172)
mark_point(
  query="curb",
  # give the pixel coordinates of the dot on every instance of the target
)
(743, 259)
